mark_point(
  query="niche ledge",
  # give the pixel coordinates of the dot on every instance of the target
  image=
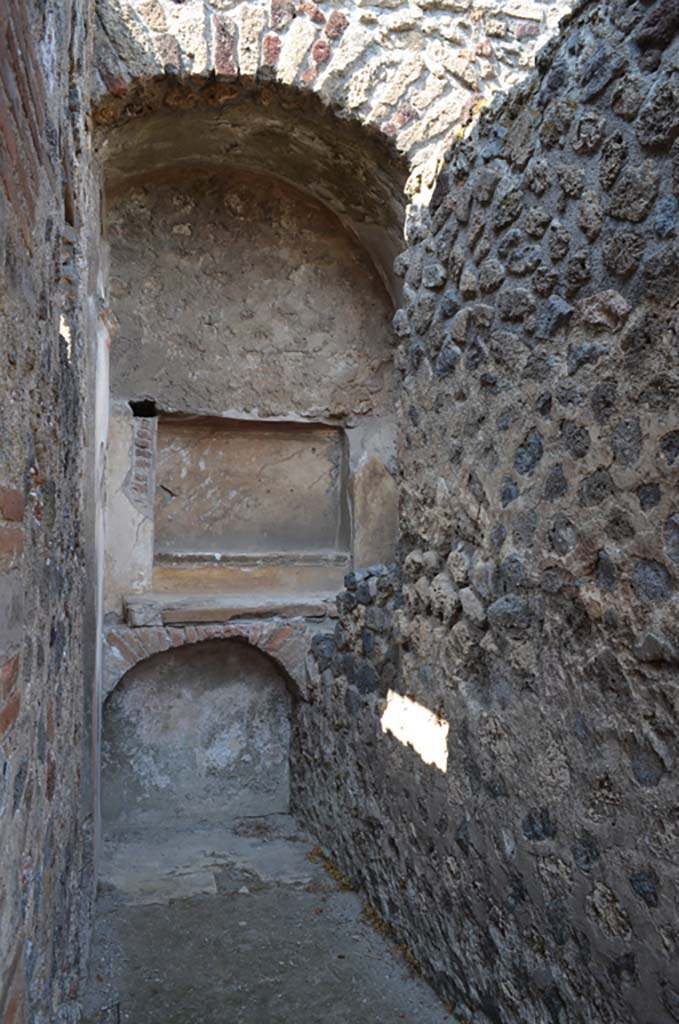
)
(163, 609)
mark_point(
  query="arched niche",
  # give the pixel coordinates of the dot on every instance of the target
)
(251, 245)
(269, 129)
(196, 735)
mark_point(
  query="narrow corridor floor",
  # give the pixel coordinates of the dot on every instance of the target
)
(240, 926)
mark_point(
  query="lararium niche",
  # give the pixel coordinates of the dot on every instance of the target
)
(249, 506)
(251, 443)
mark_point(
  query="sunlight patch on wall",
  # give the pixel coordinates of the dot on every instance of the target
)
(416, 726)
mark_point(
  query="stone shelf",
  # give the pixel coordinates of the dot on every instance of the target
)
(259, 578)
(163, 609)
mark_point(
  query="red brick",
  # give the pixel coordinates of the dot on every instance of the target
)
(14, 174)
(116, 84)
(9, 670)
(30, 60)
(14, 1011)
(12, 999)
(312, 10)
(51, 778)
(22, 71)
(282, 12)
(11, 504)
(320, 51)
(337, 23)
(214, 632)
(278, 638)
(12, 96)
(271, 48)
(527, 30)
(15, 163)
(113, 640)
(224, 47)
(176, 635)
(9, 712)
(11, 546)
(30, 88)
(170, 54)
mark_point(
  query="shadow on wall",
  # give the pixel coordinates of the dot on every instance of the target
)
(196, 736)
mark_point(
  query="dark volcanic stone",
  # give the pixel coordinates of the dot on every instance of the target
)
(651, 581)
(659, 27)
(649, 496)
(645, 885)
(634, 194)
(626, 441)
(595, 488)
(529, 453)
(562, 535)
(556, 484)
(671, 537)
(585, 852)
(538, 825)
(647, 767)
(510, 613)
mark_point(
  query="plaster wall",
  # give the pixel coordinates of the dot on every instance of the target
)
(196, 735)
(129, 513)
(239, 297)
(238, 489)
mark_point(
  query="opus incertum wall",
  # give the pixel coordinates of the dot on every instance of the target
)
(48, 339)
(532, 866)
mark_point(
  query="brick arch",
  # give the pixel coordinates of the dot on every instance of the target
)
(414, 75)
(285, 643)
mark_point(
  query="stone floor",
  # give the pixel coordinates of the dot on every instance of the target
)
(240, 925)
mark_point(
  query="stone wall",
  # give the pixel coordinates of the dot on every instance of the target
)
(536, 879)
(47, 611)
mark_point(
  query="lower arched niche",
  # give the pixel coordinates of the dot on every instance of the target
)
(196, 735)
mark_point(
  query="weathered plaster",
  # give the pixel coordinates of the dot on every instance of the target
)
(196, 734)
(231, 295)
(129, 522)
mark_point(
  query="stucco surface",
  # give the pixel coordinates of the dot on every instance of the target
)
(231, 293)
(196, 734)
